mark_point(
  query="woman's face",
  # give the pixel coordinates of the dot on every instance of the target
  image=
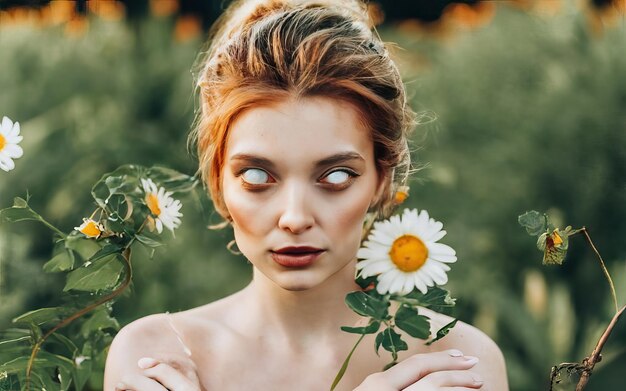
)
(299, 173)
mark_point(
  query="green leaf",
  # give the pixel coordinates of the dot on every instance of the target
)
(436, 298)
(62, 340)
(61, 262)
(65, 379)
(442, 332)
(99, 320)
(149, 240)
(102, 274)
(82, 371)
(43, 315)
(416, 325)
(534, 222)
(105, 251)
(171, 180)
(123, 184)
(366, 305)
(369, 329)
(20, 211)
(392, 342)
(378, 342)
(85, 247)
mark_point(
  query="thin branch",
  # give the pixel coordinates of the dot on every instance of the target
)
(591, 361)
(604, 269)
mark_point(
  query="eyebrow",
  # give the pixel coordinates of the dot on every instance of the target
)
(333, 159)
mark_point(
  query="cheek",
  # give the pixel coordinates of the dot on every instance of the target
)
(248, 216)
(345, 218)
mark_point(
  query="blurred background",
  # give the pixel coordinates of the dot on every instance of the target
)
(524, 108)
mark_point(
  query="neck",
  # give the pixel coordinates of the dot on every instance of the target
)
(300, 319)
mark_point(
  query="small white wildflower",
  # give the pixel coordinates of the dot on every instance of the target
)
(164, 208)
(9, 140)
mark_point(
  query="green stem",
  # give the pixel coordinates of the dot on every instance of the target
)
(344, 366)
(118, 291)
(55, 229)
(604, 269)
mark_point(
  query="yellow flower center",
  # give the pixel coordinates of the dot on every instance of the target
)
(91, 229)
(3, 142)
(408, 253)
(153, 204)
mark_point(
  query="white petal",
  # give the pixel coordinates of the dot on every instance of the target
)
(377, 268)
(159, 225)
(6, 126)
(14, 139)
(385, 280)
(409, 284)
(442, 258)
(397, 283)
(435, 272)
(15, 131)
(440, 248)
(4, 166)
(14, 151)
(433, 237)
(425, 277)
(419, 284)
(7, 163)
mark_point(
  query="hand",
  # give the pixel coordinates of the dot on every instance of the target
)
(161, 374)
(445, 371)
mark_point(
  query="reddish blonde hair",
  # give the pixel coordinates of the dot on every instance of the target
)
(266, 51)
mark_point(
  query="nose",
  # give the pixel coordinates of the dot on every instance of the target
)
(296, 213)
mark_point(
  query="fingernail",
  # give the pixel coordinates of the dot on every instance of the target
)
(146, 362)
(455, 353)
(120, 386)
(471, 359)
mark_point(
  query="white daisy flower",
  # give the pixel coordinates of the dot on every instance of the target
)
(404, 253)
(164, 208)
(9, 140)
(90, 228)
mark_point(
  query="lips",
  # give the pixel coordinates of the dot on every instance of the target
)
(292, 256)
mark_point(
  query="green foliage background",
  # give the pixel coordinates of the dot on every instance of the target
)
(531, 114)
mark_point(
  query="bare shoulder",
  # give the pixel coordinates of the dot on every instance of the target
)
(150, 336)
(472, 342)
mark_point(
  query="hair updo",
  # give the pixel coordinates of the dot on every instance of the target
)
(266, 51)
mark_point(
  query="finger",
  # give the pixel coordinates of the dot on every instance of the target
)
(171, 378)
(417, 366)
(137, 382)
(464, 379)
(180, 363)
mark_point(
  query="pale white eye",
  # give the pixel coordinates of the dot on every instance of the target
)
(255, 176)
(337, 177)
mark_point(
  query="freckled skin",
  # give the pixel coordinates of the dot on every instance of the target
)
(296, 208)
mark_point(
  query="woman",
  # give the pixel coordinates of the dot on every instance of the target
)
(303, 130)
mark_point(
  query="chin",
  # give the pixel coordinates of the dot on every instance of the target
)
(297, 283)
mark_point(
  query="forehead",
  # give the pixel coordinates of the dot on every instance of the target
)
(308, 128)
